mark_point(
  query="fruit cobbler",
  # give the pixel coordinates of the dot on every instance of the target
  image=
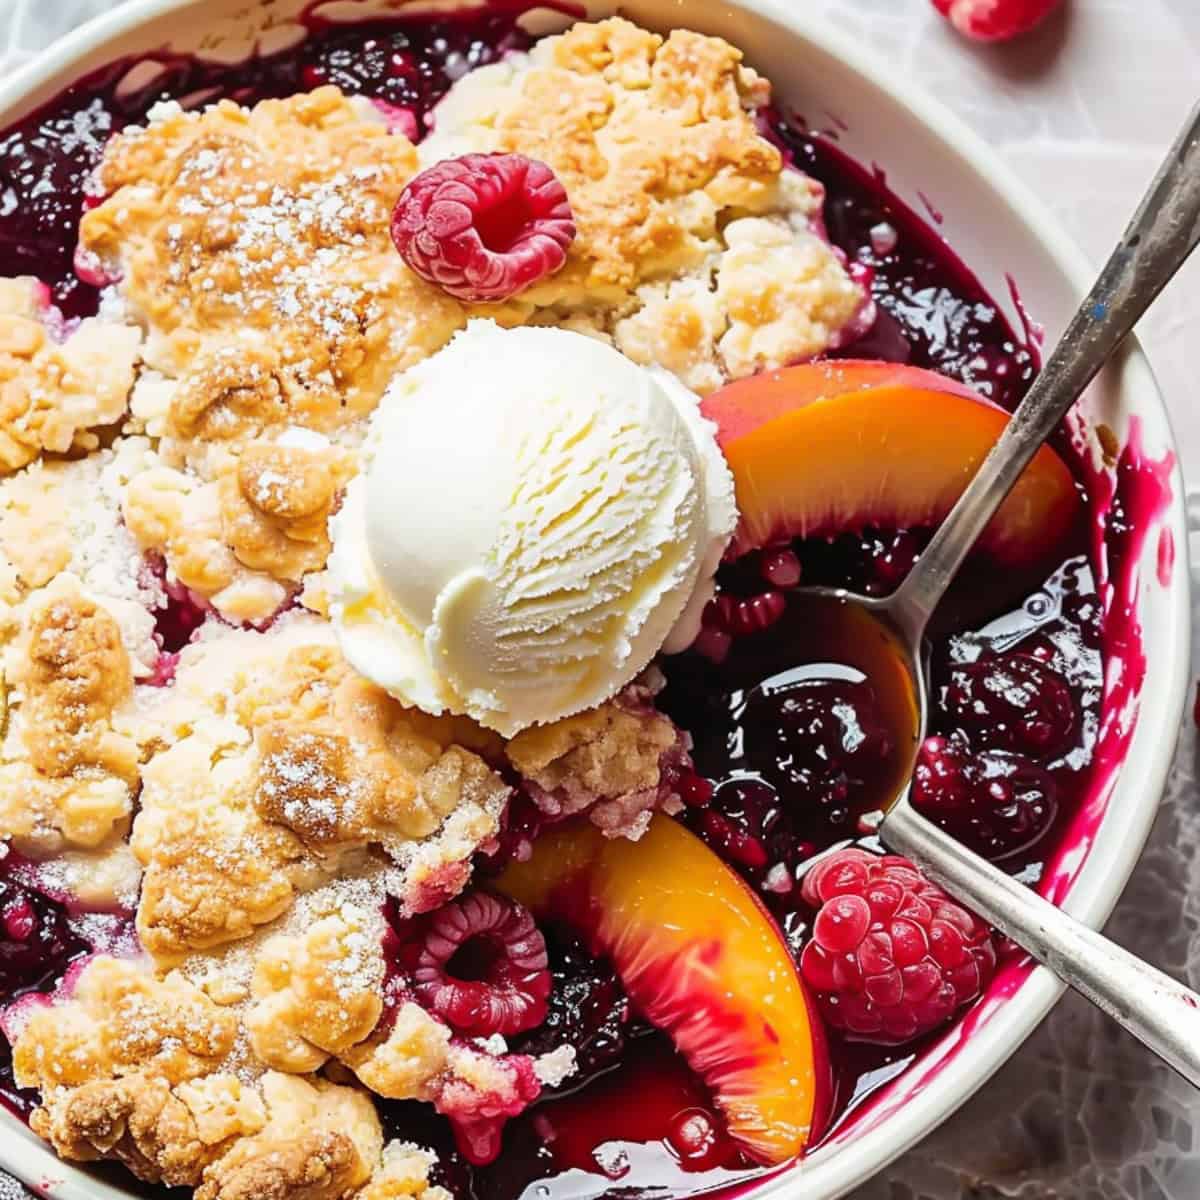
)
(423, 773)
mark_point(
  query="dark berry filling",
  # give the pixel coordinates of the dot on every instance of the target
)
(792, 730)
(37, 942)
(588, 1011)
(178, 619)
(934, 313)
(995, 801)
(1011, 702)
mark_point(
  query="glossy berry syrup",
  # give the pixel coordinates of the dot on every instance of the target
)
(795, 730)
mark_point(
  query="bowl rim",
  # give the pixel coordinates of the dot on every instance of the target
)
(57, 66)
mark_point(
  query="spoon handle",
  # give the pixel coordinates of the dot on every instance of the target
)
(1161, 1013)
(1163, 232)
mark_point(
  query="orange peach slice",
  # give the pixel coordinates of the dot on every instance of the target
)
(702, 959)
(826, 448)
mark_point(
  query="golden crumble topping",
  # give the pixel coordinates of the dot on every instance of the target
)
(402, 1064)
(53, 394)
(120, 1021)
(272, 761)
(179, 516)
(608, 760)
(273, 219)
(68, 775)
(213, 870)
(162, 1134)
(130, 1068)
(404, 1172)
(275, 506)
(320, 1142)
(74, 675)
(64, 517)
(238, 389)
(318, 993)
(135, 1069)
(255, 246)
(340, 761)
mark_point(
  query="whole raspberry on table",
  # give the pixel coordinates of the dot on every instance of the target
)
(995, 20)
(891, 956)
(484, 227)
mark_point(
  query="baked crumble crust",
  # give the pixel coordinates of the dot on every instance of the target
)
(68, 775)
(272, 219)
(54, 394)
(254, 246)
(213, 870)
(613, 761)
(320, 1142)
(122, 1021)
(162, 1135)
(64, 517)
(139, 1069)
(318, 993)
(276, 763)
(74, 674)
(401, 1062)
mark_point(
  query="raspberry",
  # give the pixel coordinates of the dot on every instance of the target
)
(891, 561)
(741, 616)
(588, 1011)
(756, 613)
(694, 790)
(484, 226)
(734, 843)
(482, 967)
(891, 955)
(996, 802)
(995, 20)
(697, 1139)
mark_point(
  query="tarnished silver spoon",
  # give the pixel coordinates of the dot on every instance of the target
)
(1161, 1013)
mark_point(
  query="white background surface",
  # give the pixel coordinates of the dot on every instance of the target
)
(1083, 110)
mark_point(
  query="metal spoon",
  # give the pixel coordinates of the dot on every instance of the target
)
(1161, 1013)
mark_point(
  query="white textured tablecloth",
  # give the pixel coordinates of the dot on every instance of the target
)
(1083, 110)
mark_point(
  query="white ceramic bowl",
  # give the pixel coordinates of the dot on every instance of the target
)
(1000, 230)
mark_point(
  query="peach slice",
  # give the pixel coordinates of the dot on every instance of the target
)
(829, 447)
(701, 958)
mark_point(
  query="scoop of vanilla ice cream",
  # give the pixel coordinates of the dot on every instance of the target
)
(537, 517)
